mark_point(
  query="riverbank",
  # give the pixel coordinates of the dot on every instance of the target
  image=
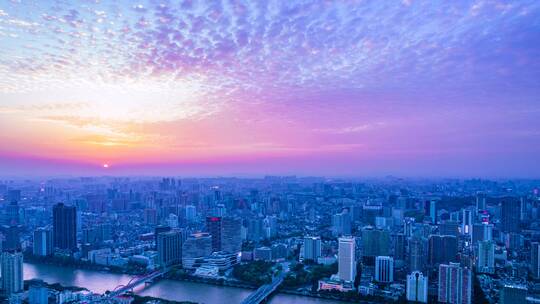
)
(238, 284)
(197, 290)
(136, 298)
(78, 264)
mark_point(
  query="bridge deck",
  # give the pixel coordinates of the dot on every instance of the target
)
(264, 291)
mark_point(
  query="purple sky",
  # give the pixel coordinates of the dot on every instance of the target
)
(363, 88)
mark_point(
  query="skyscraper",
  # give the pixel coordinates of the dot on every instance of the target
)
(375, 242)
(346, 259)
(433, 211)
(442, 249)
(449, 228)
(341, 224)
(255, 229)
(312, 248)
(481, 201)
(486, 257)
(231, 238)
(417, 287)
(408, 226)
(467, 221)
(510, 215)
(64, 227)
(455, 284)
(43, 244)
(38, 293)
(196, 247)
(12, 213)
(150, 216)
(417, 254)
(270, 226)
(535, 259)
(12, 272)
(213, 226)
(482, 232)
(513, 294)
(191, 213)
(169, 246)
(12, 240)
(384, 269)
(399, 246)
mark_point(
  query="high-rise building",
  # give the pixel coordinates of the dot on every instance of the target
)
(12, 213)
(467, 221)
(270, 226)
(105, 232)
(169, 247)
(12, 272)
(535, 259)
(481, 201)
(150, 216)
(220, 210)
(213, 226)
(64, 227)
(408, 223)
(482, 232)
(417, 287)
(172, 220)
(455, 284)
(375, 242)
(90, 236)
(12, 240)
(449, 228)
(510, 215)
(191, 213)
(433, 211)
(231, 234)
(370, 212)
(399, 246)
(255, 229)
(514, 241)
(43, 244)
(158, 230)
(513, 294)
(417, 253)
(346, 258)
(341, 224)
(196, 248)
(442, 249)
(312, 248)
(384, 269)
(38, 293)
(486, 257)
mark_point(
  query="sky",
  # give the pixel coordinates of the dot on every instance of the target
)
(335, 88)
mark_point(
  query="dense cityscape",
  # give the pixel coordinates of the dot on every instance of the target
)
(369, 241)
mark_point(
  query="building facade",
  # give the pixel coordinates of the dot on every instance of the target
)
(417, 287)
(43, 243)
(346, 258)
(64, 227)
(384, 269)
(455, 284)
(12, 272)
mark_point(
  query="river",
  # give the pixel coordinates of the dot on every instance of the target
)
(100, 281)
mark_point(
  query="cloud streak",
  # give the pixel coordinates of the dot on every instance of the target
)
(306, 76)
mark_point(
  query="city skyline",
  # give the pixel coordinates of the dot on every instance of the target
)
(411, 88)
